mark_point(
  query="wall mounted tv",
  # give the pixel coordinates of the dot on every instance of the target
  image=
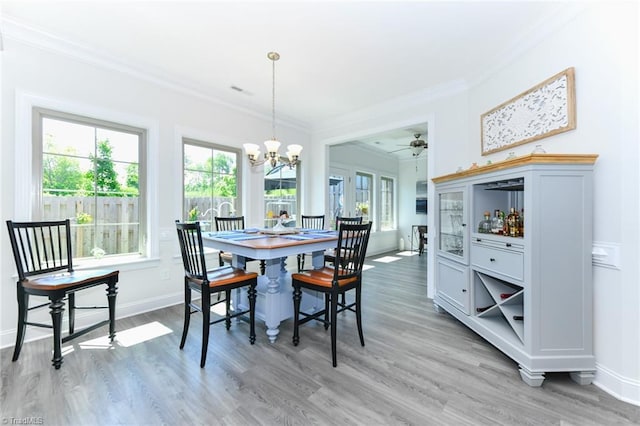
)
(421, 206)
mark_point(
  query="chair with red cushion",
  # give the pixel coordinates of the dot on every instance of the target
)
(44, 259)
(346, 275)
(209, 282)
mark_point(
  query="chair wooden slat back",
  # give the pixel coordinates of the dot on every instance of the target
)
(229, 223)
(41, 247)
(344, 219)
(351, 251)
(190, 237)
(313, 222)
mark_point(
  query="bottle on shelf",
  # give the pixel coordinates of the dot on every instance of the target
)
(513, 223)
(478, 310)
(496, 224)
(485, 224)
(505, 225)
(518, 317)
(506, 295)
(521, 222)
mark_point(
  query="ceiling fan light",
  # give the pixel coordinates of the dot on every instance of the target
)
(417, 150)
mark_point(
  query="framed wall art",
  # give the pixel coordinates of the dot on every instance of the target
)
(542, 111)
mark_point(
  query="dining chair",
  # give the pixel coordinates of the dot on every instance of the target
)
(422, 239)
(309, 222)
(209, 282)
(346, 275)
(44, 260)
(233, 223)
(329, 255)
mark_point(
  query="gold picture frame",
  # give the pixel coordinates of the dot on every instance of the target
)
(545, 110)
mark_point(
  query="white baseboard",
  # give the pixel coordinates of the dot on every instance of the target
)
(84, 318)
(622, 388)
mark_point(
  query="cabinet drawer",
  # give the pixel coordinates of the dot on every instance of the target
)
(505, 262)
(452, 284)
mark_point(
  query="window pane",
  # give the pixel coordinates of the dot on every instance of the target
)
(210, 183)
(363, 195)
(280, 194)
(90, 173)
(387, 207)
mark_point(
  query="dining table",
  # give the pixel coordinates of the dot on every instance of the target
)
(274, 303)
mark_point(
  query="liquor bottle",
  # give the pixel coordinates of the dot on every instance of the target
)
(485, 225)
(506, 295)
(512, 223)
(496, 225)
(505, 226)
(521, 222)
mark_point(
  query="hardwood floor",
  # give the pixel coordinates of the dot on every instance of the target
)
(418, 367)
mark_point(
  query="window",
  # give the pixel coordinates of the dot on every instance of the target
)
(281, 193)
(387, 204)
(211, 182)
(364, 188)
(90, 171)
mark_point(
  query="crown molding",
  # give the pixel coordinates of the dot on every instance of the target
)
(15, 30)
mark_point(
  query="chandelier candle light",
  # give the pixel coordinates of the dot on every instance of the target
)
(272, 145)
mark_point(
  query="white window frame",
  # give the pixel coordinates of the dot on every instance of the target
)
(25, 185)
(217, 147)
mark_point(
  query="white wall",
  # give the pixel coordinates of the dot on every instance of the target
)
(601, 41)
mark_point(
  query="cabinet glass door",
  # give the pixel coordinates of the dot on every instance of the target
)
(451, 223)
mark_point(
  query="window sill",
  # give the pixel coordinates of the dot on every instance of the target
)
(123, 263)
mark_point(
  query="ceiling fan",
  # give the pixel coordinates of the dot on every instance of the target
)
(416, 146)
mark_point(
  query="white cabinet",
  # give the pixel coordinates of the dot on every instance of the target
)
(529, 295)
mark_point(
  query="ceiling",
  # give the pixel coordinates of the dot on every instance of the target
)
(337, 57)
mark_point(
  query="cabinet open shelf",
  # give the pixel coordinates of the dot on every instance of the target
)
(489, 291)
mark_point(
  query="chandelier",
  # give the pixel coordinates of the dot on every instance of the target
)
(272, 145)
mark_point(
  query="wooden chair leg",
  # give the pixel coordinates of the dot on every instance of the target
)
(334, 320)
(359, 313)
(252, 312)
(56, 308)
(297, 295)
(71, 306)
(112, 292)
(187, 313)
(206, 325)
(23, 309)
(327, 322)
(227, 303)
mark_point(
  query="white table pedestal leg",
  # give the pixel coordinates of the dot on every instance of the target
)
(272, 299)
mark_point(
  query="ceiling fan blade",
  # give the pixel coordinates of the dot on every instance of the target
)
(401, 149)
